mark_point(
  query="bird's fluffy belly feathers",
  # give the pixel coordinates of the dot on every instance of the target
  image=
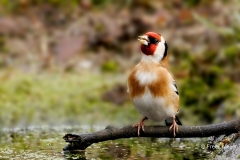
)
(154, 108)
(152, 94)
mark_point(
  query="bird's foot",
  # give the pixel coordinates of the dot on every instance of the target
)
(140, 125)
(174, 126)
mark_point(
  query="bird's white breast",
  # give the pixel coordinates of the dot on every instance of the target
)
(145, 78)
(153, 108)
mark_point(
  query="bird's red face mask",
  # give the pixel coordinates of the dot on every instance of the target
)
(149, 42)
(153, 45)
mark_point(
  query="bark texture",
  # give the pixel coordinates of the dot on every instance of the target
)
(82, 141)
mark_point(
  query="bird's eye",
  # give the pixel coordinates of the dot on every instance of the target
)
(153, 40)
(156, 40)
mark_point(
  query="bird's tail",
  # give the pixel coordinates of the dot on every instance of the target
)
(169, 122)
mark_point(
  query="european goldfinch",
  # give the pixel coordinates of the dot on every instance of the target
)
(151, 86)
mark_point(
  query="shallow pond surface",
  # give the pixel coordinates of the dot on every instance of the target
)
(46, 143)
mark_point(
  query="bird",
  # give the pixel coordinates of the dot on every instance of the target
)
(151, 86)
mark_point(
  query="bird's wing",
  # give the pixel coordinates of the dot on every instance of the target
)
(174, 87)
(127, 88)
(168, 121)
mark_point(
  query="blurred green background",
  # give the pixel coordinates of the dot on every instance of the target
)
(67, 62)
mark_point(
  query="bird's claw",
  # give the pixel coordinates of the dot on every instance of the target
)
(139, 125)
(174, 126)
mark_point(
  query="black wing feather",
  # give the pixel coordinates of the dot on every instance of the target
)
(168, 121)
(175, 85)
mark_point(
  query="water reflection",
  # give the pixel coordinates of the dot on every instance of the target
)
(117, 150)
(76, 155)
(47, 143)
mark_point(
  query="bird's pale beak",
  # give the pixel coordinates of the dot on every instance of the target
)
(143, 39)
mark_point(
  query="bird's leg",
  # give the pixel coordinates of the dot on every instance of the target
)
(140, 125)
(174, 126)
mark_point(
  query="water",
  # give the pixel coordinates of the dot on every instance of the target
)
(46, 143)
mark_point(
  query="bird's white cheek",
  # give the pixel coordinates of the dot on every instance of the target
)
(159, 52)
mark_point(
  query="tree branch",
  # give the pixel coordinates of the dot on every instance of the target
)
(82, 141)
